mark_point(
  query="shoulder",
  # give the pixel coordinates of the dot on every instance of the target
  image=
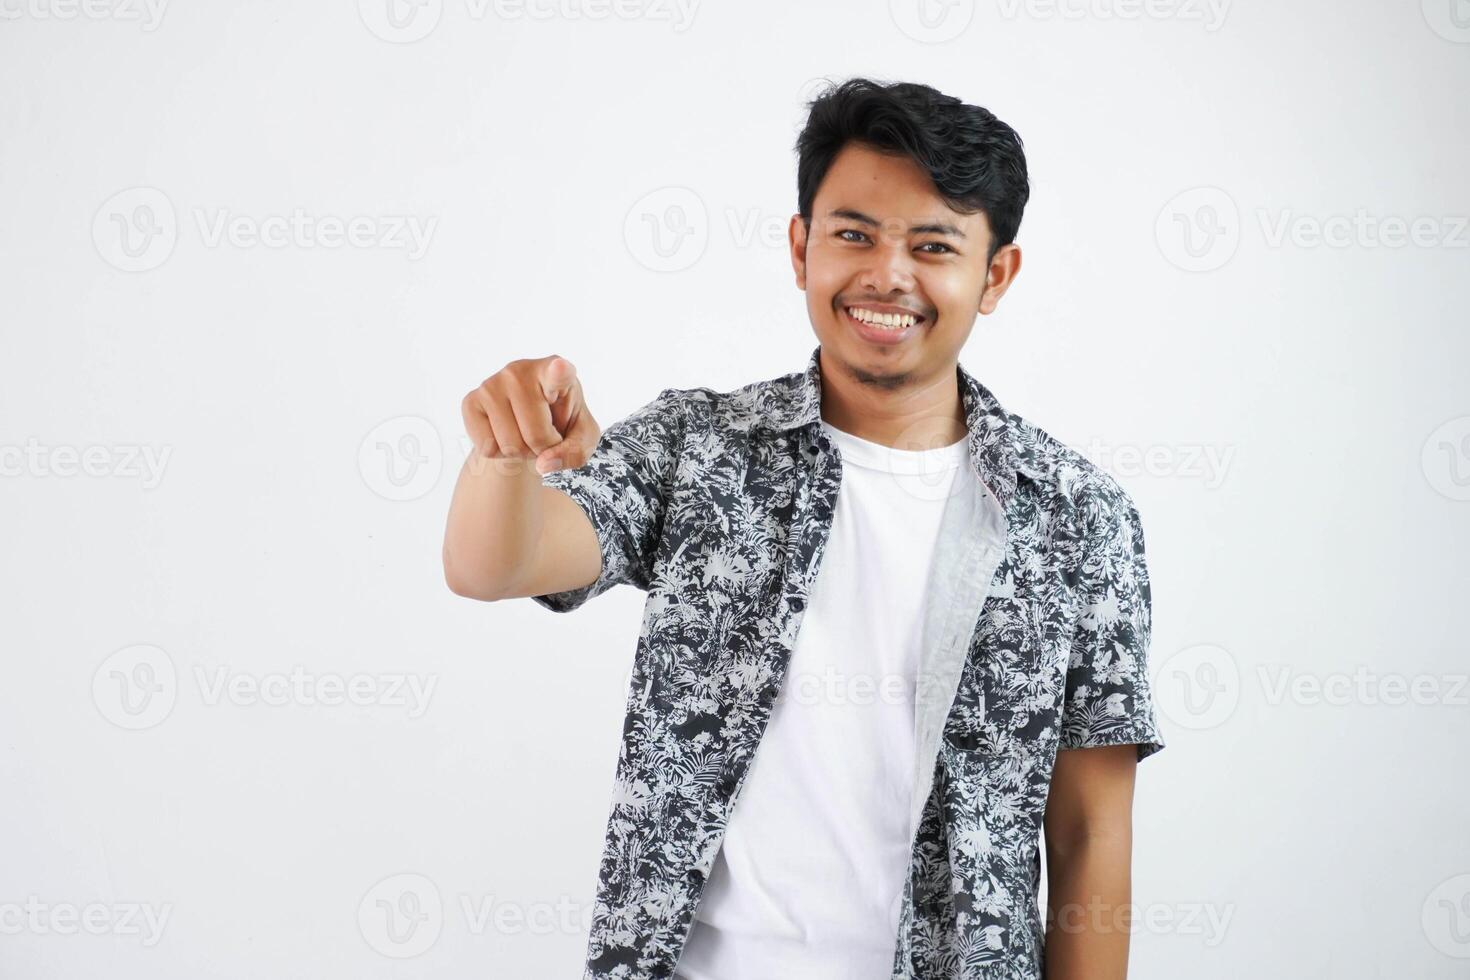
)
(1069, 484)
(735, 410)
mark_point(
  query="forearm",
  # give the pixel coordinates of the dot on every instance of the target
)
(1089, 909)
(494, 526)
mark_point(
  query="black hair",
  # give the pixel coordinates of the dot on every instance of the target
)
(975, 161)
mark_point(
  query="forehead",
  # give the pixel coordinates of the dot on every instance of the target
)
(889, 188)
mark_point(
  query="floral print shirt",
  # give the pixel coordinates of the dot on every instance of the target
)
(718, 504)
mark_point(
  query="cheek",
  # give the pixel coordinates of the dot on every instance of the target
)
(822, 286)
(956, 297)
(831, 268)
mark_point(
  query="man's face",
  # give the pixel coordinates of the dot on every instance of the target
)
(883, 240)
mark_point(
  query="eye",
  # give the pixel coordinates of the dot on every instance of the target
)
(862, 237)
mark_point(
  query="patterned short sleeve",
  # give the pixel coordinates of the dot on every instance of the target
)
(622, 488)
(1109, 700)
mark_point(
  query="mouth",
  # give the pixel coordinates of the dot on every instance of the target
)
(883, 329)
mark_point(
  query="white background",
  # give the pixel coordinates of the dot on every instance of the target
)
(307, 400)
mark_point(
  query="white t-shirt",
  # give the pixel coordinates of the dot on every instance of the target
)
(809, 878)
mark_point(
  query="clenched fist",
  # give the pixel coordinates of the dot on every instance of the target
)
(532, 409)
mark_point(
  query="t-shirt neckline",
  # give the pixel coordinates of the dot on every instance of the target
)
(876, 456)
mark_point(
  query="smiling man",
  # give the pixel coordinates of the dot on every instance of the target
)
(895, 635)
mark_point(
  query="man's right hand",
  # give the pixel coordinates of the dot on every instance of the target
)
(532, 409)
(508, 534)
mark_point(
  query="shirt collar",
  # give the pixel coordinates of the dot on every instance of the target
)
(996, 447)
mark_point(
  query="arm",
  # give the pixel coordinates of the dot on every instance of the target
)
(508, 535)
(1108, 727)
(1089, 848)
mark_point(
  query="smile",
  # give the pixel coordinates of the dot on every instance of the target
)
(881, 327)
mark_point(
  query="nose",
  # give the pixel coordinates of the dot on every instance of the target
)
(889, 268)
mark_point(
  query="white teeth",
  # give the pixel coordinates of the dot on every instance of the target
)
(884, 321)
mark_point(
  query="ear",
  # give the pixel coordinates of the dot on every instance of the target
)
(1005, 265)
(796, 235)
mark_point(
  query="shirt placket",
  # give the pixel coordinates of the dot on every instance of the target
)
(818, 475)
(970, 548)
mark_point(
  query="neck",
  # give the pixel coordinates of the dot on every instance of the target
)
(919, 413)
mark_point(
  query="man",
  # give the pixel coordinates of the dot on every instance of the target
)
(929, 616)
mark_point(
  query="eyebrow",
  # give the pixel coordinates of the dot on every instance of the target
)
(934, 228)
